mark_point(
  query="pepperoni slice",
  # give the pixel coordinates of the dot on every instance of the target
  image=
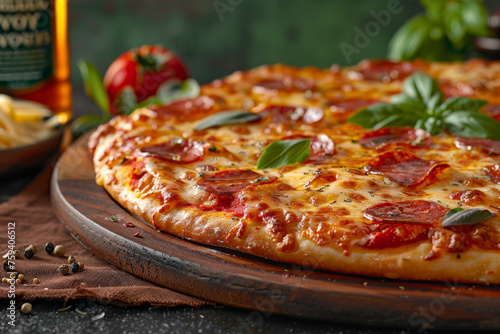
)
(186, 110)
(381, 138)
(494, 173)
(395, 235)
(404, 167)
(385, 70)
(182, 150)
(406, 212)
(229, 181)
(287, 114)
(351, 105)
(321, 145)
(488, 145)
(287, 83)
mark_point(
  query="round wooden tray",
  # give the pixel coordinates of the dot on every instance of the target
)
(240, 280)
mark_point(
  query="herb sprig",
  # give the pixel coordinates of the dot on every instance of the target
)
(284, 152)
(421, 105)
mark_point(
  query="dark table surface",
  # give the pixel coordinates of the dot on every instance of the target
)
(97, 317)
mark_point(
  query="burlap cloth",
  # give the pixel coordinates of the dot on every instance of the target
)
(36, 224)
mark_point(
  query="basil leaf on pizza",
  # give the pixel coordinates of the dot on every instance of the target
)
(284, 152)
(456, 217)
(228, 117)
(421, 106)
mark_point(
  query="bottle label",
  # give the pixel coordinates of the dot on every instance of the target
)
(25, 43)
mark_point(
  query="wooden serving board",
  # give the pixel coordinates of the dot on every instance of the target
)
(240, 280)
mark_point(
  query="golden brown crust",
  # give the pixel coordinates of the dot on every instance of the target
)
(312, 213)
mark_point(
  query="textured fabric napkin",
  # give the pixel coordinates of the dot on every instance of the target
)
(36, 224)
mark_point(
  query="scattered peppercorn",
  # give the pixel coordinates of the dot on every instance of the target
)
(19, 281)
(13, 275)
(59, 250)
(6, 265)
(28, 253)
(33, 248)
(81, 265)
(49, 247)
(26, 308)
(4, 279)
(75, 267)
(71, 259)
(63, 269)
(21, 277)
(36, 280)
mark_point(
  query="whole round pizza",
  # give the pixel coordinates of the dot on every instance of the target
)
(386, 169)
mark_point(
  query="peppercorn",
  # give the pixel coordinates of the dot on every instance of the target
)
(21, 277)
(64, 269)
(28, 253)
(59, 250)
(81, 265)
(6, 265)
(75, 267)
(36, 280)
(4, 279)
(13, 275)
(17, 254)
(71, 259)
(26, 308)
(49, 247)
(19, 281)
(33, 248)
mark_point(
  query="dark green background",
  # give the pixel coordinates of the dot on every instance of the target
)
(254, 32)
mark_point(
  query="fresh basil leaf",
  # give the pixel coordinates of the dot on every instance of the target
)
(461, 103)
(475, 17)
(173, 90)
(451, 212)
(126, 101)
(94, 87)
(383, 115)
(228, 117)
(433, 125)
(85, 123)
(423, 88)
(409, 39)
(466, 217)
(468, 123)
(284, 152)
(455, 28)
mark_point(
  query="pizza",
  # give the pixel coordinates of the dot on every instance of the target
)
(273, 162)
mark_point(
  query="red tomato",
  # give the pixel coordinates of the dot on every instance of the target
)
(143, 69)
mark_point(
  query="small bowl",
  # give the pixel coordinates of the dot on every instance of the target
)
(21, 159)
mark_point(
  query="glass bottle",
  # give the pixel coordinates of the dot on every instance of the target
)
(34, 53)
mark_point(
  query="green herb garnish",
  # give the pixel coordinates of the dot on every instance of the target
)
(458, 216)
(421, 105)
(284, 152)
(228, 117)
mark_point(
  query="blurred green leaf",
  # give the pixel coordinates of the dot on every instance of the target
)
(475, 17)
(94, 87)
(126, 101)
